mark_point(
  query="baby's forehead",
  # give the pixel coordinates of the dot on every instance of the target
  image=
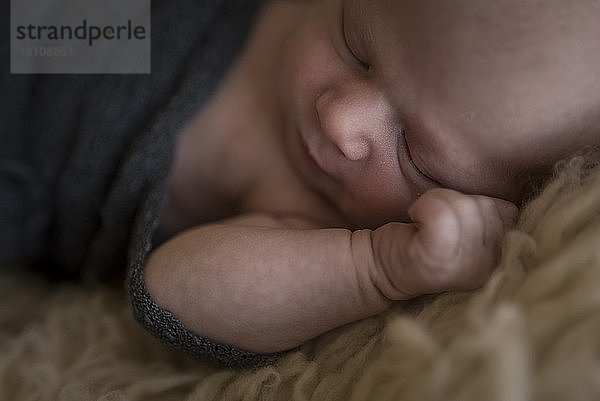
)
(487, 70)
(451, 30)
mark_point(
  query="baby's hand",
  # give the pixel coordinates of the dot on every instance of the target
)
(453, 244)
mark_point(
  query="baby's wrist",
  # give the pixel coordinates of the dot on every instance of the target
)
(370, 259)
(376, 288)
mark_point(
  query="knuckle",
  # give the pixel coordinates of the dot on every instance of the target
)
(487, 203)
(468, 206)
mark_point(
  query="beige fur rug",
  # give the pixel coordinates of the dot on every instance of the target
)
(533, 332)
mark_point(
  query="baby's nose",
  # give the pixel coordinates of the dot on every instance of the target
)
(353, 119)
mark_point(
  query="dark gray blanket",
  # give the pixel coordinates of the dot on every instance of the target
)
(84, 158)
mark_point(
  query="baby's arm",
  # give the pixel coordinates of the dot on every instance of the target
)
(265, 284)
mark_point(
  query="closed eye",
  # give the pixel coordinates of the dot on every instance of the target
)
(362, 63)
(420, 178)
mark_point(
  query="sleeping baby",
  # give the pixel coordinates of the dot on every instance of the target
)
(293, 166)
(364, 152)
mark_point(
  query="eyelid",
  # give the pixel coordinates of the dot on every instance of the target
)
(424, 180)
(361, 62)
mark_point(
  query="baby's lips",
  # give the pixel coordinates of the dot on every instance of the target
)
(508, 212)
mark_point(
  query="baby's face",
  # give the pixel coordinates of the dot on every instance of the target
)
(385, 99)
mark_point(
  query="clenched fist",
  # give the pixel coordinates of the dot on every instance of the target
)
(452, 244)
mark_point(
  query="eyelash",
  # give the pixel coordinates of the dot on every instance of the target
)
(411, 160)
(361, 62)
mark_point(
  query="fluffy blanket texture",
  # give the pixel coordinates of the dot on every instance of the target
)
(533, 332)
